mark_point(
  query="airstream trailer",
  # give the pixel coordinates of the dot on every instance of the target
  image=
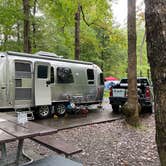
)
(45, 83)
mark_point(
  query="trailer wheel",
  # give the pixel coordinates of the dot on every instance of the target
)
(43, 112)
(60, 110)
(115, 108)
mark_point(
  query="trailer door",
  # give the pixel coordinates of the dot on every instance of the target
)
(42, 84)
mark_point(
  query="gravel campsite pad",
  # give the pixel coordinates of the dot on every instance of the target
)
(108, 144)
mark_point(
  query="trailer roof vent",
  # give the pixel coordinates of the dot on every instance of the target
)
(49, 54)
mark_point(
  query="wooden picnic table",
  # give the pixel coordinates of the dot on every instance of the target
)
(10, 130)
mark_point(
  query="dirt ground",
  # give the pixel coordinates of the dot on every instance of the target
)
(106, 144)
(116, 143)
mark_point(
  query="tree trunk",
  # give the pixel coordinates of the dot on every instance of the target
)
(18, 32)
(131, 108)
(26, 9)
(155, 17)
(5, 40)
(34, 25)
(77, 33)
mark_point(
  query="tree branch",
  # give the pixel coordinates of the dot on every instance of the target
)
(84, 19)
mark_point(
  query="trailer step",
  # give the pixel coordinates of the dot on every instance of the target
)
(28, 111)
(30, 115)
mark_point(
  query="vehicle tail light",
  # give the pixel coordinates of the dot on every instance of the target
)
(111, 91)
(147, 92)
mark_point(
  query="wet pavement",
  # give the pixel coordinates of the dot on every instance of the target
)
(95, 115)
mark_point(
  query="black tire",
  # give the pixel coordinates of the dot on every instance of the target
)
(43, 112)
(149, 109)
(115, 108)
(60, 110)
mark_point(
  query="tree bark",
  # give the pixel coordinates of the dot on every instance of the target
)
(77, 33)
(26, 10)
(5, 39)
(155, 17)
(18, 32)
(34, 25)
(131, 108)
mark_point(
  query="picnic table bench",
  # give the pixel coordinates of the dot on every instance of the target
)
(58, 145)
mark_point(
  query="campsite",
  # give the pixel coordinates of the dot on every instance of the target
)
(82, 83)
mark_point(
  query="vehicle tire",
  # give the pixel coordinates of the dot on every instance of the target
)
(60, 110)
(43, 112)
(149, 109)
(115, 108)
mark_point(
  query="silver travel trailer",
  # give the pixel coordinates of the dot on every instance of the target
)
(45, 83)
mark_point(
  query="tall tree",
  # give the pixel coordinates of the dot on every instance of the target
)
(77, 33)
(34, 23)
(131, 108)
(10, 14)
(155, 16)
(26, 10)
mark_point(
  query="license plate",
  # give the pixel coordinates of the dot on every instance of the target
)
(118, 92)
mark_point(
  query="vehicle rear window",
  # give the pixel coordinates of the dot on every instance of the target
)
(124, 81)
(139, 81)
(143, 81)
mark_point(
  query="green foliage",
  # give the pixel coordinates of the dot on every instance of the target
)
(142, 65)
(10, 15)
(54, 23)
(118, 52)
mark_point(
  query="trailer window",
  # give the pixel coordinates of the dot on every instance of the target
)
(101, 79)
(64, 75)
(90, 75)
(25, 67)
(42, 71)
(22, 70)
(52, 74)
